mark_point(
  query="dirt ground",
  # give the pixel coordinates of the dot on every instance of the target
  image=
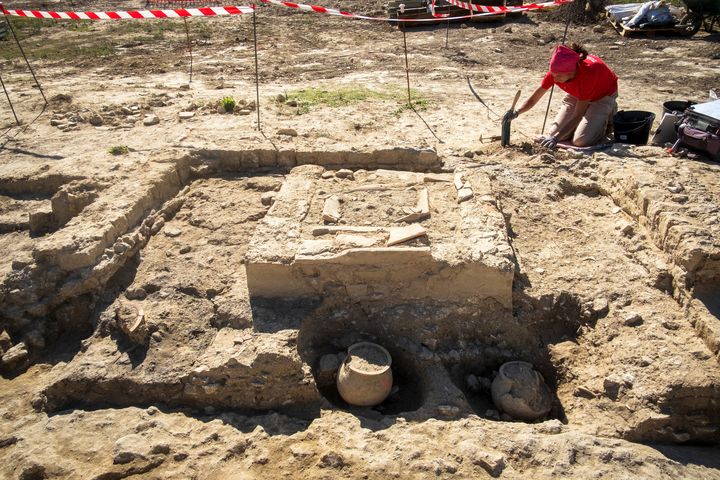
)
(132, 348)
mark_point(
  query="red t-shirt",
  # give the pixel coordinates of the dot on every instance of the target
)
(593, 80)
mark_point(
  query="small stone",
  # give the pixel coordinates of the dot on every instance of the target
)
(584, 392)
(550, 427)
(472, 383)
(5, 342)
(612, 386)
(156, 336)
(152, 410)
(332, 460)
(120, 248)
(469, 154)
(492, 414)
(15, 355)
(633, 320)
(172, 232)
(449, 411)
(625, 227)
(291, 132)
(508, 29)
(616, 210)
(95, 120)
(185, 249)
(129, 448)
(540, 270)
(327, 174)
(675, 188)
(268, 198)
(186, 115)
(497, 50)
(160, 449)
(180, 456)
(344, 173)
(464, 194)
(670, 325)
(598, 29)
(600, 306)
(492, 463)
(327, 368)
(137, 293)
(151, 120)
(34, 471)
(157, 226)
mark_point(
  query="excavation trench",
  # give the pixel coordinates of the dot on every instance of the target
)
(220, 284)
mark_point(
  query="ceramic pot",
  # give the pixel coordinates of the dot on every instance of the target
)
(365, 378)
(521, 392)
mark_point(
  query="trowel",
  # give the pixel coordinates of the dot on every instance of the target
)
(507, 118)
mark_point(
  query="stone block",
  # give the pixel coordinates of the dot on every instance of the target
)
(465, 257)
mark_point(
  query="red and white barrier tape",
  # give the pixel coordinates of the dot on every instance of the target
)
(488, 10)
(233, 10)
(120, 15)
(480, 8)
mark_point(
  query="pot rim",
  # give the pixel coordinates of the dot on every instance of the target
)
(515, 362)
(373, 345)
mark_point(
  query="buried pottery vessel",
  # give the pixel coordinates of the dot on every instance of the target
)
(365, 378)
(521, 392)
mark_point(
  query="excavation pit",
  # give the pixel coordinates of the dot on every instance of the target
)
(409, 389)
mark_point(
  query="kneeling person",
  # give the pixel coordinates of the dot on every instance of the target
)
(590, 101)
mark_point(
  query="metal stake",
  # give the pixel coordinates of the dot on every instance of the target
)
(189, 46)
(10, 102)
(7, 20)
(547, 110)
(407, 69)
(257, 76)
(447, 33)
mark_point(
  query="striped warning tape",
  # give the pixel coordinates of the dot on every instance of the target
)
(234, 10)
(486, 10)
(121, 15)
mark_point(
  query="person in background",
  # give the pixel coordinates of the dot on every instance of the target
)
(590, 101)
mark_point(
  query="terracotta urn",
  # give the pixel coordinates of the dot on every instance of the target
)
(365, 378)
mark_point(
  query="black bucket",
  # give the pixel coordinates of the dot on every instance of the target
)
(677, 106)
(633, 126)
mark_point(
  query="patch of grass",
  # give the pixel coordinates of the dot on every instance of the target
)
(419, 102)
(118, 150)
(29, 27)
(61, 51)
(344, 96)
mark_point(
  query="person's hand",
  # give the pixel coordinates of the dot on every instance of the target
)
(547, 141)
(511, 115)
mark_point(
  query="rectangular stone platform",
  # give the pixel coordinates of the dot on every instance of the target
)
(383, 236)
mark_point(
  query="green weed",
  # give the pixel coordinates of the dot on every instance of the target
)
(228, 104)
(118, 150)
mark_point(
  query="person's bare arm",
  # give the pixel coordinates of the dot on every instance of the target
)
(532, 100)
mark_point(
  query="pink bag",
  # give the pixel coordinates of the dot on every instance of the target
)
(700, 140)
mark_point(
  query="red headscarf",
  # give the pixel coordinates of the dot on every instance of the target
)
(564, 60)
